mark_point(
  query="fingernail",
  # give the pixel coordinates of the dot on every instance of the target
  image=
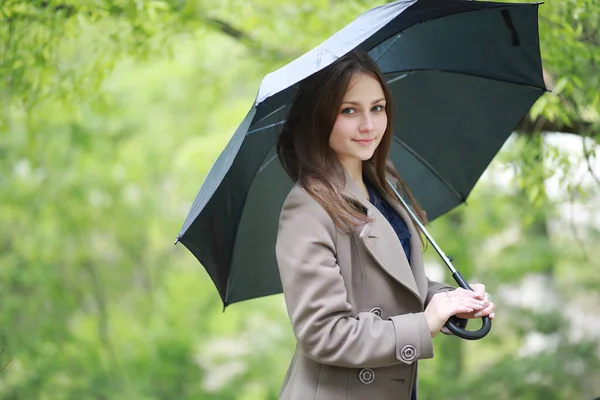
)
(492, 315)
(478, 314)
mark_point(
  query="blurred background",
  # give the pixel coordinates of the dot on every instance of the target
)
(111, 114)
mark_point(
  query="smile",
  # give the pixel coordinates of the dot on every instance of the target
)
(364, 142)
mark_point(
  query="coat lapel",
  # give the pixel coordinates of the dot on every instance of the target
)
(381, 241)
(416, 248)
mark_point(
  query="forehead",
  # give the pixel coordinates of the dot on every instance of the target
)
(363, 87)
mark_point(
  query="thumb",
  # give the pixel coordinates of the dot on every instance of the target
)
(479, 289)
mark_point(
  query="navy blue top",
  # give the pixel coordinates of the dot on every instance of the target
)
(393, 218)
(399, 227)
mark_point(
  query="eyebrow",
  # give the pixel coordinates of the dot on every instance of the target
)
(356, 103)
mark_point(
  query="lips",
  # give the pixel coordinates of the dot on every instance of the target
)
(364, 142)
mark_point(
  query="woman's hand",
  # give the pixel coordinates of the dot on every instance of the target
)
(446, 304)
(488, 309)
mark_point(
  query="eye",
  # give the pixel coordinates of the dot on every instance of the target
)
(348, 110)
(378, 108)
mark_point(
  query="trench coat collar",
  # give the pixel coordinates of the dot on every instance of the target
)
(380, 240)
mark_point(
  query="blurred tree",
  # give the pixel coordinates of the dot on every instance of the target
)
(112, 111)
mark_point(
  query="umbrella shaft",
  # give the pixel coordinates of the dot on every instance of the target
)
(422, 228)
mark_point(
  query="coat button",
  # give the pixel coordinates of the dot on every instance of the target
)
(408, 353)
(377, 311)
(366, 375)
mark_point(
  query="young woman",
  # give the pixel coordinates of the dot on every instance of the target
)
(350, 258)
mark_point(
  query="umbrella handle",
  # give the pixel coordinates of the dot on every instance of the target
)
(454, 324)
(457, 325)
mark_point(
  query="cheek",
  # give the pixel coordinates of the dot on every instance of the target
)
(335, 140)
(342, 131)
(382, 122)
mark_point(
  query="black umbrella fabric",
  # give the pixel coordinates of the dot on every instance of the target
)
(462, 75)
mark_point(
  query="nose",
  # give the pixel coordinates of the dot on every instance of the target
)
(366, 125)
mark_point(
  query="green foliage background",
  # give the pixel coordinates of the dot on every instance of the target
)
(112, 112)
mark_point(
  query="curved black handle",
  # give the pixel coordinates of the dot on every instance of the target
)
(457, 325)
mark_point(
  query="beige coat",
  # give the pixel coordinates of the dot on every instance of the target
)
(354, 301)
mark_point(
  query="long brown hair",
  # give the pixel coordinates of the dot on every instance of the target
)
(303, 145)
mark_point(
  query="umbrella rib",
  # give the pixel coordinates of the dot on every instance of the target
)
(389, 46)
(267, 116)
(265, 165)
(265, 127)
(412, 71)
(430, 167)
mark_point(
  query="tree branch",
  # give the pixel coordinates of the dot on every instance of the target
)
(99, 296)
(578, 239)
(228, 29)
(67, 9)
(541, 124)
(530, 126)
(224, 27)
(6, 363)
(587, 155)
(235, 33)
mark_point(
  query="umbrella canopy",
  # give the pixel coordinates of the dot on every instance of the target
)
(462, 75)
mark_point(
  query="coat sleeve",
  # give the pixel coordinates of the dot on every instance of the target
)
(325, 325)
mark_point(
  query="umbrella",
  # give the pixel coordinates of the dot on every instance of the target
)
(463, 73)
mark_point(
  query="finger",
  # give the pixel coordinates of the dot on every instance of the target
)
(471, 305)
(464, 315)
(485, 312)
(486, 301)
(465, 310)
(460, 292)
(467, 297)
(476, 304)
(462, 309)
(455, 305)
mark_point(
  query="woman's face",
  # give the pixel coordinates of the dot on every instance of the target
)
(361, 120)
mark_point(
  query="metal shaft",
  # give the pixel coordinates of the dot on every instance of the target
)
(422, 228)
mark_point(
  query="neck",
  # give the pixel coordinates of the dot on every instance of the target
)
(355, 170)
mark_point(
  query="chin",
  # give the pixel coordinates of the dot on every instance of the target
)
(365, 156)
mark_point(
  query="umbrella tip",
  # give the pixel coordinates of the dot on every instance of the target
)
(176, 240)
